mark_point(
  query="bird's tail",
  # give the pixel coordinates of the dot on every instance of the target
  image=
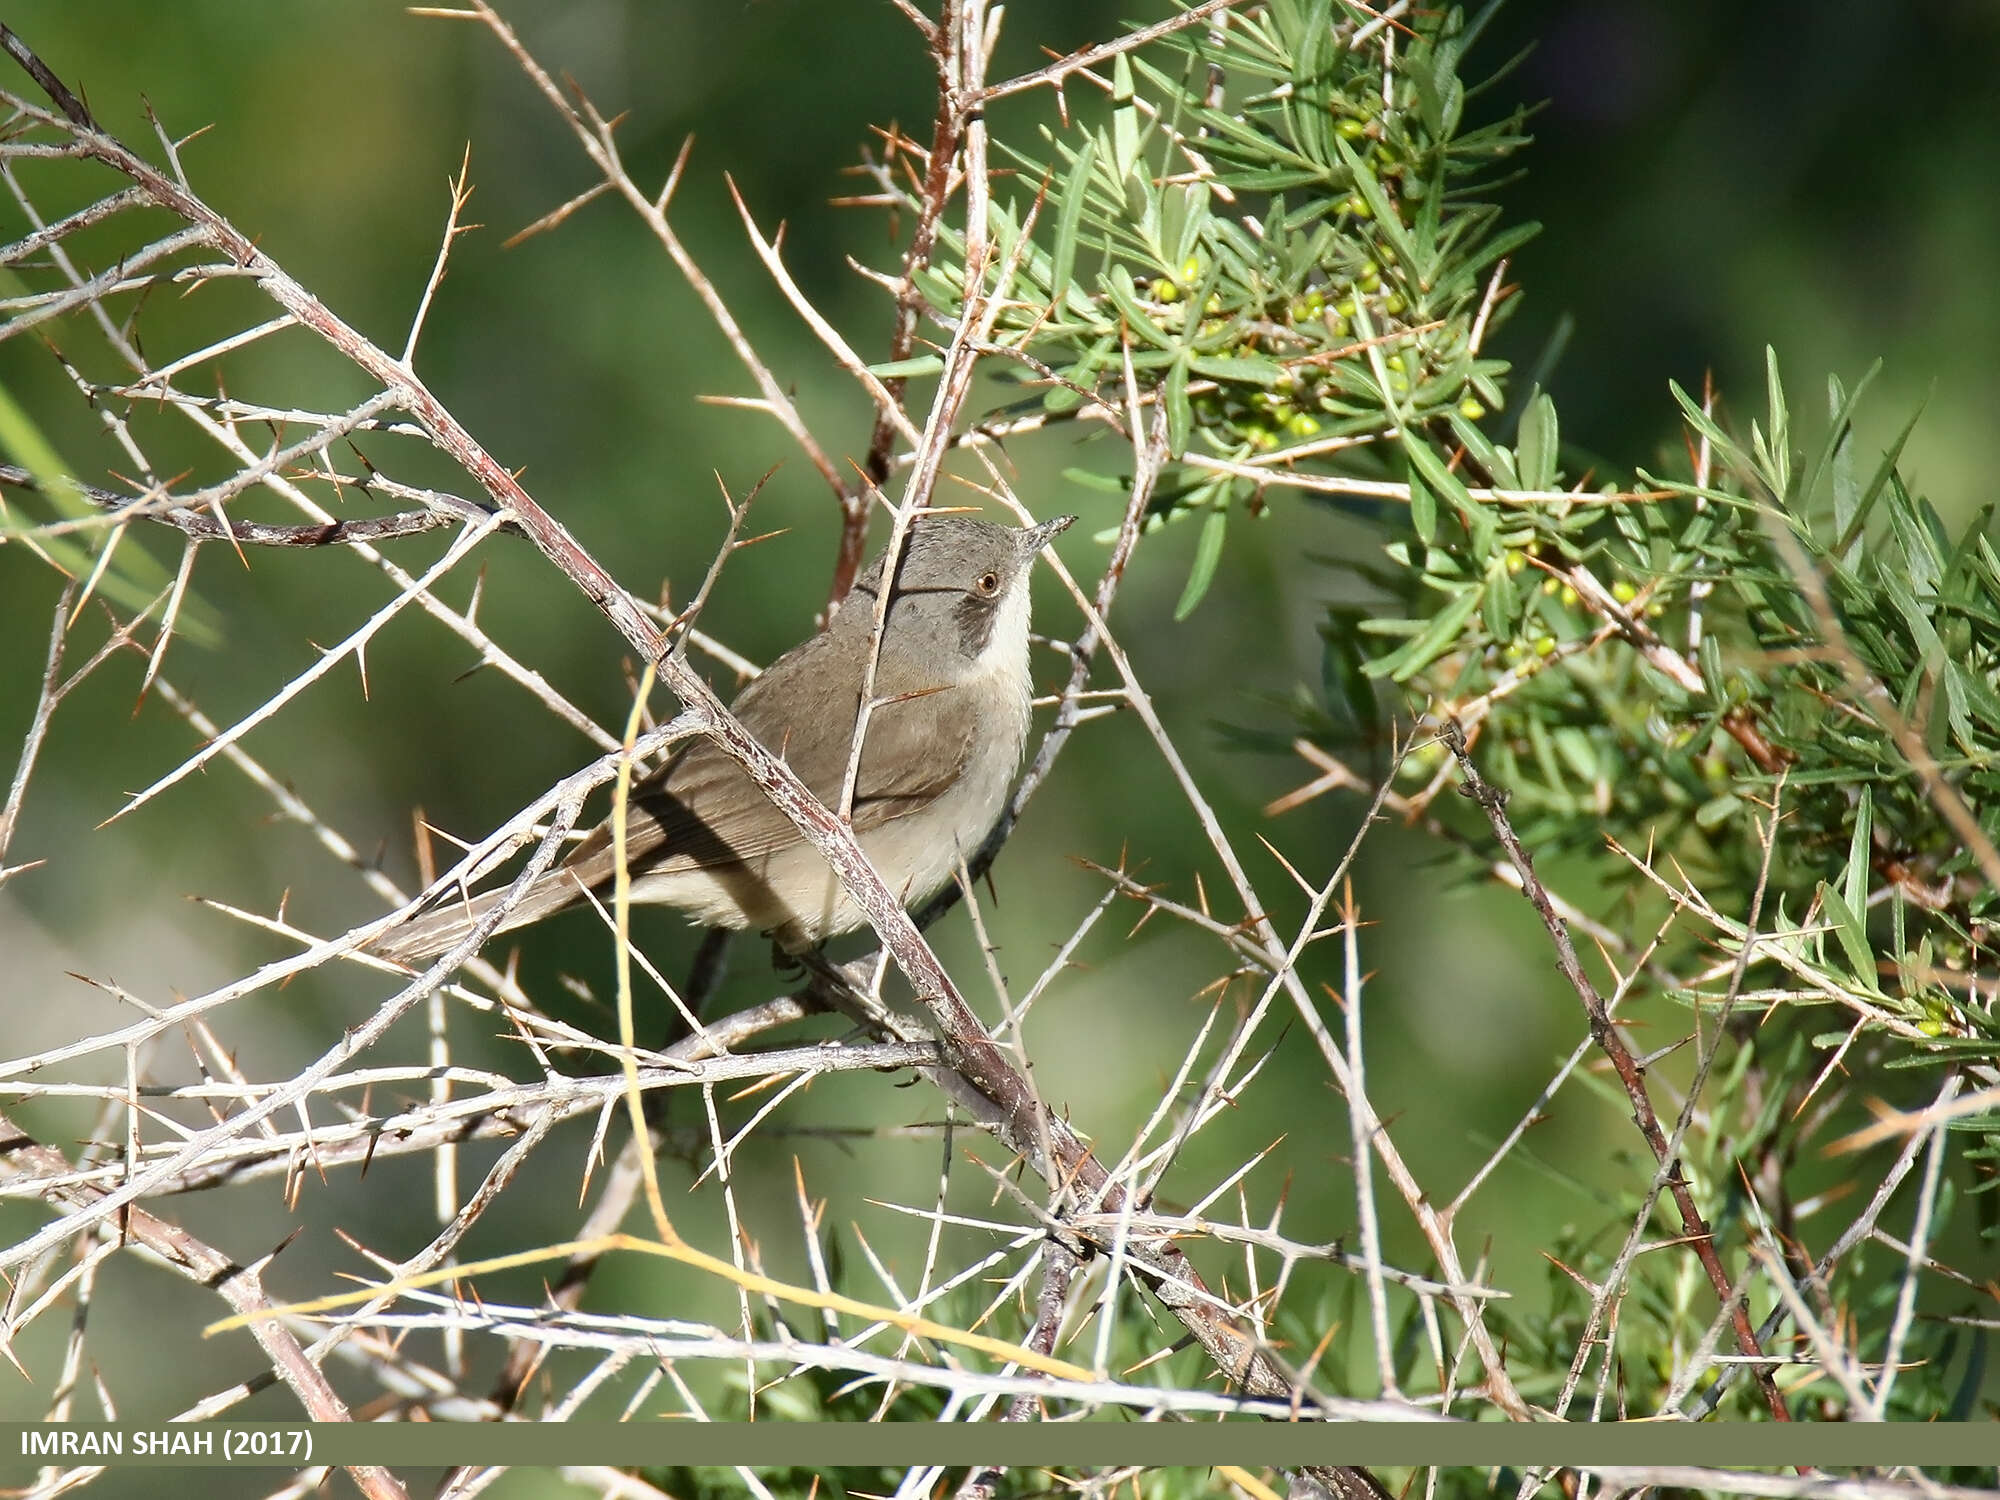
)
(422, 939)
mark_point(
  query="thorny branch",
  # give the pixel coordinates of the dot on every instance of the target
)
(1065, 1260)
(1493, 802)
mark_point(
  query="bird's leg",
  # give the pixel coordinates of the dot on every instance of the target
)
(790, 964)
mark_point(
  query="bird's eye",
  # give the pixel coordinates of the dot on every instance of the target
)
(989, 584)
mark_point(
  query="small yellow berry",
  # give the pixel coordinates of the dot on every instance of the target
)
(1624, 592)
(1471, 410)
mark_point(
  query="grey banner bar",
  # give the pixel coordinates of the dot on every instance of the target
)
(24, 1447)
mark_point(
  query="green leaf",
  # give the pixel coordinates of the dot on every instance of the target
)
(1239, 369)
(1781, 426)
(1717, 811)
(1118, 282)
(1386, 219)
(1090, 479)
(1438, 637)
(1503, 601)
(1537, 446)
(1980, 697)
(1479, 522)
(1488, 454)
(1423, 508)
(902, 369)
(1727, 451)
(1852, 934)
(1069, 216)
(1854, 889)
(1180, 416)
(1916, 529)
(1877, 483)
(1124, 118)
(1207, 552)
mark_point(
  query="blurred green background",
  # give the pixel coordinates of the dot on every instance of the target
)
(1711, 178)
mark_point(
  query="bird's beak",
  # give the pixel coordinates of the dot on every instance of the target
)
(1038, 537)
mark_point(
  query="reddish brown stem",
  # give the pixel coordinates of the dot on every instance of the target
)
(1605, 1035)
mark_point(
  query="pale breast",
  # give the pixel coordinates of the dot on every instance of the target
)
(794, 892)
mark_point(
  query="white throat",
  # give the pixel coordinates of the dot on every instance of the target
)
(1006, 653)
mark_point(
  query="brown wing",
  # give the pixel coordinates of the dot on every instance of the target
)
(701, 809)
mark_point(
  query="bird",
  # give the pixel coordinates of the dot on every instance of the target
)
(951, 696)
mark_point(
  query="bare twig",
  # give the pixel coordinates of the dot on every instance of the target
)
(1602, 1032)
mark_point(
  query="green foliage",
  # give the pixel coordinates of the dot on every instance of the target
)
(1297, 256)
(1659, 668)
(1283, 233)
